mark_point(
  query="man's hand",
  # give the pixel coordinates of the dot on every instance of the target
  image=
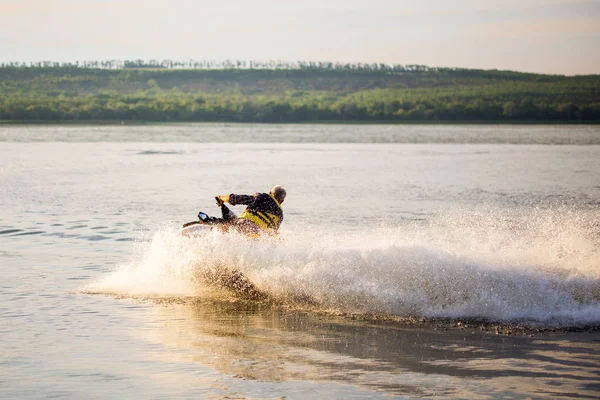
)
(222, 199)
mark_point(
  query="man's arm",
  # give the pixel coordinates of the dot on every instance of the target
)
(235, 199)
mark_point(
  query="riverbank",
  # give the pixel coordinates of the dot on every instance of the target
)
(333, 122)
(311, 95)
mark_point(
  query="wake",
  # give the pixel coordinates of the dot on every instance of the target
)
(538, 268)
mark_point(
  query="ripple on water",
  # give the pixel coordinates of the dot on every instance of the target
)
(30, 233)
(63, 235)
(94, 238)
(9, 231)
(76, 227)
(154, 152)
(92, 267)
(8, 254)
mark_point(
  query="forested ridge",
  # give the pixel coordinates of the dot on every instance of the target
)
(296, 92)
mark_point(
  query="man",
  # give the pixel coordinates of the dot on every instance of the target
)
(263, 213)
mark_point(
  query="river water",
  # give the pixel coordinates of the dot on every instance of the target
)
(414, 261)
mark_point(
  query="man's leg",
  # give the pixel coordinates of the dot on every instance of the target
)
(228, 218)
(228, 215)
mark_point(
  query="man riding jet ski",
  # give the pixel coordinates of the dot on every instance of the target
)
(263, 214)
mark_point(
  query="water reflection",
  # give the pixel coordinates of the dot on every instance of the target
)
(253, 342)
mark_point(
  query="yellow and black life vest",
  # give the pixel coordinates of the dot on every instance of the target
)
(265, 212)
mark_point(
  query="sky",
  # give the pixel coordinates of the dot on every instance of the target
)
(544, 36)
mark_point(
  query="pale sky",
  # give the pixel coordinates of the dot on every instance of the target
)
(547, 36)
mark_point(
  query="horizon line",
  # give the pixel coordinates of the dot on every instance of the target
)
(237, 64)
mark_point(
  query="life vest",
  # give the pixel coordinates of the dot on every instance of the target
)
(264, 212)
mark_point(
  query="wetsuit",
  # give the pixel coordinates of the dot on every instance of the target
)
(263, 214)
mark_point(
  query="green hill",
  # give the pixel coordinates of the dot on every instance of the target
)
(305, 93)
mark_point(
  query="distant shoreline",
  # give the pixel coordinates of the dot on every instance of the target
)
(381, 122)
(365, 95)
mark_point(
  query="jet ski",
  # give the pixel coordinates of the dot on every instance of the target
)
(227, 221)
(206, 222)
(200, 227)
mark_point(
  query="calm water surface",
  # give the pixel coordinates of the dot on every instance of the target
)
(100, 297)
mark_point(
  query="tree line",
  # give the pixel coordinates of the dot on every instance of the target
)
(302, 94)
(225, 64)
